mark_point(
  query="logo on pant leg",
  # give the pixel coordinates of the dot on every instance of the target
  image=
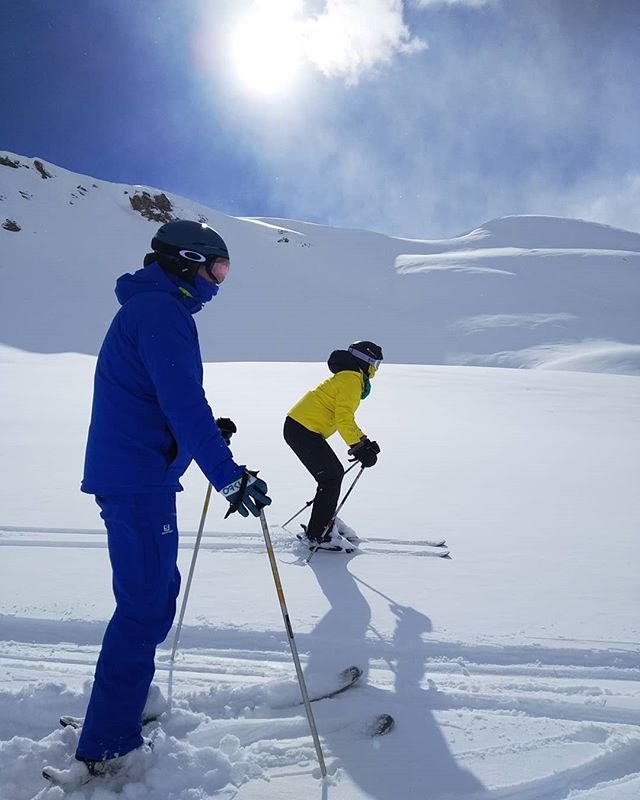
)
(166, 528)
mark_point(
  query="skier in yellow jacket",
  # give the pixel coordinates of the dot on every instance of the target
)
(328, 408)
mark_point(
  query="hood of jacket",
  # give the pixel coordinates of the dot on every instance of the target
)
(154, 279)
(341, 360)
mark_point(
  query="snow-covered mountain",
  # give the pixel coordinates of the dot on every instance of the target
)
(529, 291)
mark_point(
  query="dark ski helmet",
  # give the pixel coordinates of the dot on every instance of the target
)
(188, 245)
(367, 353)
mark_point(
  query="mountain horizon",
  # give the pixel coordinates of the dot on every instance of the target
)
(517, 291)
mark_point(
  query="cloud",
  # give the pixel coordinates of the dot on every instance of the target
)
(589, 355)
(612, 201)
(352, 37)
(484, 322)
(472, 3)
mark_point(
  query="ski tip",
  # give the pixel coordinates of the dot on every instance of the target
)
(382, 725)
(352, 673)
(53, 775)
(70, 722)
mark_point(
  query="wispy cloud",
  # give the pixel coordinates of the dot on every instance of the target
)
(589, 355)
(473, 3)
(484, 322)
(611, 201)
(351, 37)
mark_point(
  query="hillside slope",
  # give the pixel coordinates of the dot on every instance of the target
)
(495, 295)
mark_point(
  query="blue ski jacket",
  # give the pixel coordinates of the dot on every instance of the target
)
(150, 416)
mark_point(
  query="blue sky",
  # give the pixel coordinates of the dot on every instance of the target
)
(421, 118)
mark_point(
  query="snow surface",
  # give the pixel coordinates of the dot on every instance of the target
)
(512, 669)
(509, 293)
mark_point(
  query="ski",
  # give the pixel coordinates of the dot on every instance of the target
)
(68, 779)
(71, 722)
(79, 774)
(326, 548)
(408, 542)
(76, 723)
(119, 771)
(348, 678)
(439, 548)
(381, 725)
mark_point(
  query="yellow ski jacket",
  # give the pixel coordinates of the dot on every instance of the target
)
(331, 407)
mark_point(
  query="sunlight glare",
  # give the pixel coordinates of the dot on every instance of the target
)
(267, 47)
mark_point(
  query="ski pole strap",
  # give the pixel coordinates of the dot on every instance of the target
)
(238, 501)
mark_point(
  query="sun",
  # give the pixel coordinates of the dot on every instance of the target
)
(267, 47)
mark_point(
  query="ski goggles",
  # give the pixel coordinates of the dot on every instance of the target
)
(375, 362)
(217, 267)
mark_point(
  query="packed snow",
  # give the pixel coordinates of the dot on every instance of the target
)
(511, 669)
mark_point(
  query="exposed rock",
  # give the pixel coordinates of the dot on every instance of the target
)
(11, 225)
(9, 162)
(155, 207)
(41, 169)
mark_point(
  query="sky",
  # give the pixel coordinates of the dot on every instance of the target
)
(422, 118)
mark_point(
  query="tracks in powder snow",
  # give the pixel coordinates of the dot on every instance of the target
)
(526, 722)
(500, 719)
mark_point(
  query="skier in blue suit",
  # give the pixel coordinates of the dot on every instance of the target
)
(150, 418)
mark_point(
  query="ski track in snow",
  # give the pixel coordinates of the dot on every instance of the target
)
(500, 710)
(14, 536)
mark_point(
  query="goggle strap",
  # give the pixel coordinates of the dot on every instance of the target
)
(364, 357)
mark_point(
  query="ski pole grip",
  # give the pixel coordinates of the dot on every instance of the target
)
(238, 501)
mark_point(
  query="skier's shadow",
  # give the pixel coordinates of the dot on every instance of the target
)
(414, 760)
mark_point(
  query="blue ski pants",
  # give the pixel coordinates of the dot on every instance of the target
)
(142, 535)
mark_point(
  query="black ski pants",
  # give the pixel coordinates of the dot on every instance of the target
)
(324, 465)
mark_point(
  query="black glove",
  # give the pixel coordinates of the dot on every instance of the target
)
(364, 451)
(227, 428)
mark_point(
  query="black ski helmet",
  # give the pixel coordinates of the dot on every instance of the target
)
(367, 353)
(189, 246)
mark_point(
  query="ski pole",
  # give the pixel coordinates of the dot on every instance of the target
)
(331, 521)
(292, 645)
(309, 503)
(306, 505)
(205, 508)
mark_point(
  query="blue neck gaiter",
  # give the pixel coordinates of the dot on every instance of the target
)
(205, 290)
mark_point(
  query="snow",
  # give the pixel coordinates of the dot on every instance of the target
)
(511, 669)
(578, 280)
